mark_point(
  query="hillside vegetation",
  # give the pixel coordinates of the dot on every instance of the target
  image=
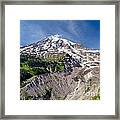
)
(31, 66)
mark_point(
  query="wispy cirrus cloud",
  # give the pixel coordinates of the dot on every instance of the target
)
(73, 28)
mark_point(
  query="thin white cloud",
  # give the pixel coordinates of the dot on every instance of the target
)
(73, 28)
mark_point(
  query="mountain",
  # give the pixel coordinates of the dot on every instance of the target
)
(57, 69)
(56, 44)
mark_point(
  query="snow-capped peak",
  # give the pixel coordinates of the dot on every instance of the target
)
(54, 43)
(55, 37)
(58, 44)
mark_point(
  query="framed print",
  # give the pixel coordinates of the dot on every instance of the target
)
(60, 60)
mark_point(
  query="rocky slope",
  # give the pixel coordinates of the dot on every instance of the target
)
(73, 74)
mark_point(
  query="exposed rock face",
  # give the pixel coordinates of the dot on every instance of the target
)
(80, 84)
(80, 79)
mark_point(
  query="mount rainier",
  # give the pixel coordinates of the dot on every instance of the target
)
(56, 68)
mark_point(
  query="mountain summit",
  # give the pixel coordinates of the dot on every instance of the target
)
(57, 68)
(55, 43)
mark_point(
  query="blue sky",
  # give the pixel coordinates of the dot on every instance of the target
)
(86, 32)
